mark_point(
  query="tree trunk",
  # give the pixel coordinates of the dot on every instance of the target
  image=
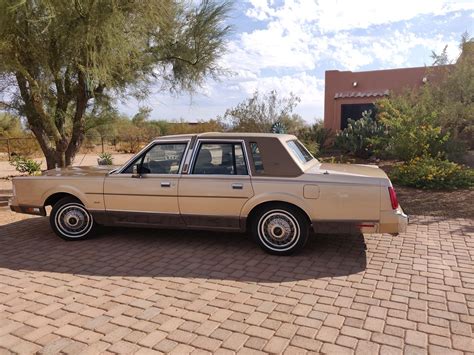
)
(78, 125)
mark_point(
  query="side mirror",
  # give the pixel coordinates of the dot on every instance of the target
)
(135, 173)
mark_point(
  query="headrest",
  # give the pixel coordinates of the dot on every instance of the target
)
(204, 157)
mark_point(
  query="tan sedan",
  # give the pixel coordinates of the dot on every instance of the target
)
(268, 184)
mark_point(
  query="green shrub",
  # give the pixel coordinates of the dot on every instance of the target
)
(105, 159)
(315, 137)
(361, 137)
(412, 127)
(432, 173)
(25, 165)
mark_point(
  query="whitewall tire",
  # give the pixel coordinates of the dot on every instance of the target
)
(280, 229)
(70, 220)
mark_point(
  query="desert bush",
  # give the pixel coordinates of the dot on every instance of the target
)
(105, 159)
(412, 127)
(453, 97)
(25, 165)
(432, 173)
(362, 137)
(261, 111)
(437, 119)
(316, 135)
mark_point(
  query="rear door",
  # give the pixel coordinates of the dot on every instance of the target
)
(217, 185)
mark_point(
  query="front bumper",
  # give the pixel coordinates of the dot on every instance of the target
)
(35, 210)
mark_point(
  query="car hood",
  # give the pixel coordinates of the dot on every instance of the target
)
(348, 169)
(76, 171)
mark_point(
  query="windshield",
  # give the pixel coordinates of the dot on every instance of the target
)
(300, 151)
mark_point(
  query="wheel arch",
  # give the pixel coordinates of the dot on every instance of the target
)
(257, 207)
(52, 199)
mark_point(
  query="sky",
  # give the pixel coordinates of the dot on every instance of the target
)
(287, 45)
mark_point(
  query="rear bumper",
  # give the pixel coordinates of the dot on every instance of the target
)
(393, 222)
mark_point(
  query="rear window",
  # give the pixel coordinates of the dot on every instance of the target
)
(299, 151)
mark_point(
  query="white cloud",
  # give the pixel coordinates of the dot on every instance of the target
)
(337, 15)
(297, 40)
(300, 34)
(303, 85)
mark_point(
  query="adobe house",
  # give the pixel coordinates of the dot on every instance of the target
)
(348, 94)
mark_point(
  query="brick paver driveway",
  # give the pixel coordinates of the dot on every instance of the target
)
(174, 291)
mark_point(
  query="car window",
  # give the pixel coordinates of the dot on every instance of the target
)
(220, 159)
(299, 151)
(160, 159)
(257, 158)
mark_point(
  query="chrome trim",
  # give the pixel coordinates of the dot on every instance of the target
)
(217, 141)
(147, 148)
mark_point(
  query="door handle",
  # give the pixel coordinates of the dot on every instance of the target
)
(166, 184)
(237, 186)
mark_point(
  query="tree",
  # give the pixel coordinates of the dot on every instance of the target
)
(438, 118)
(62, 58)
(454, 96)
(260, 112)
(142, 116)
(10, 126)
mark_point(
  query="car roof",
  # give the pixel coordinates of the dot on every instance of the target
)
(228, 135)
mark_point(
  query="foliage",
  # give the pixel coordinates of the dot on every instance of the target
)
(316, 136)
(437, 119)
(20, 140)
(453, 97)
(432, 173)
(105, 159)
(411, 124)
(312, 147)
(361, 137)
(10, 126)
(64, 58)
(260, 112)
(25, 165)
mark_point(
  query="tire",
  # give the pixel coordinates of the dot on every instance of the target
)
(280, 229)
(70, 220)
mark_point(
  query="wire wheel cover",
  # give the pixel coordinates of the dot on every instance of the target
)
(278, 230)
(73, 220)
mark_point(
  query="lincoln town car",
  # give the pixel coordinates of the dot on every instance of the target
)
(268, 185)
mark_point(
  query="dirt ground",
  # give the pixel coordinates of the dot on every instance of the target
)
(451, 204)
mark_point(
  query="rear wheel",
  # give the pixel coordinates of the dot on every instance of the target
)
(280, 229)
(70, 220)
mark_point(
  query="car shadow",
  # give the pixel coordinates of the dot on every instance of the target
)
(31, 245)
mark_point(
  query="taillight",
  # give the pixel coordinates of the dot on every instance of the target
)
(393, 197)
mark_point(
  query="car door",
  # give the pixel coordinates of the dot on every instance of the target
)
(217, 185)
(145, 192)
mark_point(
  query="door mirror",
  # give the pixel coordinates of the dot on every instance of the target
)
(135, 173)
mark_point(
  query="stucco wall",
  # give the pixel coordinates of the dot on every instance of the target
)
(369, 83)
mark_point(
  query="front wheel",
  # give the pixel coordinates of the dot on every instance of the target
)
(70, 220)
(280, 229)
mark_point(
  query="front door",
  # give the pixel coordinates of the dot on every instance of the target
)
(216, 187)
(146, 191)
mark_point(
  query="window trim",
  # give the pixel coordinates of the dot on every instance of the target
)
(146, 149)
(294, 155)
(257, 173)
(197, 148)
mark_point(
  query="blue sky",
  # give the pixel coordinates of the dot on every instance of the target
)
(287, 45)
